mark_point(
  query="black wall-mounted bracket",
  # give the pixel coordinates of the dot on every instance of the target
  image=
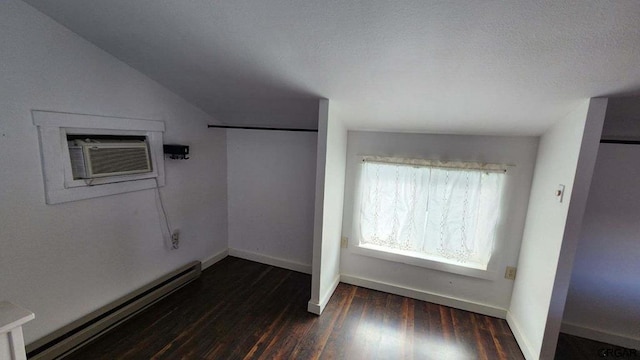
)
(176, 152)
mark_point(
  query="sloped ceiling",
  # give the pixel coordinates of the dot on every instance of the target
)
(471, 67)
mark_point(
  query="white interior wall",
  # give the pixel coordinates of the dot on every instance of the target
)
(475, 294)
(330, 180)
(602, 303)
(271, 181)
(566, 155)
(64, 261)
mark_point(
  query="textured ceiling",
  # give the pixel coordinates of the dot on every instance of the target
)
(471, 67)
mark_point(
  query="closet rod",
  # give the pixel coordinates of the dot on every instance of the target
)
(259, 128)
(626, 142)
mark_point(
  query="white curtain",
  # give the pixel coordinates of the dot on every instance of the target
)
(442, 212)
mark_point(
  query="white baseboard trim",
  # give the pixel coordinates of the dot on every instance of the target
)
(270, 260)
(425, 296)
(600, 335)
(214, 258)
(314, 308)
(318, 308)
(521, 339)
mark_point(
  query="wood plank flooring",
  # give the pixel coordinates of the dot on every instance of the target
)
(240, 309)
(577, 348)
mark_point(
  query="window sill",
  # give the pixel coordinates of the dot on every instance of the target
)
(423, 260)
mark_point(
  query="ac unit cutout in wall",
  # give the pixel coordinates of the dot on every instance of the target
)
(96, 158)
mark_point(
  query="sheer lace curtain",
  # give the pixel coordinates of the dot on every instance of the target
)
(448, 212)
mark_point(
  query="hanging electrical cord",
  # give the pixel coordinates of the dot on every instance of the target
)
(175, 243)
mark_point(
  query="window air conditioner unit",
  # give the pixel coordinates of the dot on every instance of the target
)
(91, 158)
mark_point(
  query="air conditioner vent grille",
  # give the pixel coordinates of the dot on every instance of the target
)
(118, 160)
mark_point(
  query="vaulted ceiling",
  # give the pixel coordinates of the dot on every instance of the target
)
(471, 67)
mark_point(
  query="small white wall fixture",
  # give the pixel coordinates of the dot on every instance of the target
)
(53, 128)
(12, 317)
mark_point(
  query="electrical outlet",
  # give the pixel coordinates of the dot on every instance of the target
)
(510, 273)
(175, 239)
(344, 242)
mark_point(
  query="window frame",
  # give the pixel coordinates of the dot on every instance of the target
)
(60, 187)
(415, 258)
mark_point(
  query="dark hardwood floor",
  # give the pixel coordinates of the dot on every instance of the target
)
(240, 309)
(573, 347)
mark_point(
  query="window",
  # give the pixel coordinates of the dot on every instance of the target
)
(444, 212)
(56, 130)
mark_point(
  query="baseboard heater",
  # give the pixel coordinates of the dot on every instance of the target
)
(80, 332)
